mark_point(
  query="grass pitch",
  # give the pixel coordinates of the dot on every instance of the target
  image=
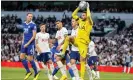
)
(19, 73)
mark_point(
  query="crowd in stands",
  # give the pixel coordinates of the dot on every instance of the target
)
(105, 7)
(110, 49)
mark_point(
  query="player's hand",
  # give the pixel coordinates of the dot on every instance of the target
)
(58, 48)
(88, 5)
(26, 45)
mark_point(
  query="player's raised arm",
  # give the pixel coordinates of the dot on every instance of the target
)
(89, 14)
(74, 14)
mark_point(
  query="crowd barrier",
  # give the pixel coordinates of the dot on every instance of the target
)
(101, 68)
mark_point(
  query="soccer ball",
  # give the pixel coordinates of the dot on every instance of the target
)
(82, 5)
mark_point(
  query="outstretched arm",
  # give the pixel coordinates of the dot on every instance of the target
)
(89, 14)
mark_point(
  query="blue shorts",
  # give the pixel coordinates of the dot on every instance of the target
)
(30, 50)
(75, 55)
(44, 57)
(92, 60)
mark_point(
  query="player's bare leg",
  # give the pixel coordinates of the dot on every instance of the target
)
(25, 64)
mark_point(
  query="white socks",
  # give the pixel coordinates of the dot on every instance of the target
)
(94, 73)
(62, 68)
(97, 74)
(89, 72)
(75, 71)
(51, 67)
(45, 67)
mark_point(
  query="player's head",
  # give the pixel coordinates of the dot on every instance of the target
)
(84, 15)
(29, 17)
(74, 23)
(42, 27)
(59, 24)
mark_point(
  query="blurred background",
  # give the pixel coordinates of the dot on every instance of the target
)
(112, 30)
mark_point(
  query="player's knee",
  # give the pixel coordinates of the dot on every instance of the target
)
(30, 58)
(22, 56)
(58, 58)
(73, 61)
(67, 38)
(68, 64)
(82, 59)
(50, 61)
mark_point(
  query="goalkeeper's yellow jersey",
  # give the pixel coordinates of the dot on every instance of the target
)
(85, 27)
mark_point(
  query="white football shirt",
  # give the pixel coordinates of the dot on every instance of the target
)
(60, 35)
(43, 41)
(74, 33)
(92, 51)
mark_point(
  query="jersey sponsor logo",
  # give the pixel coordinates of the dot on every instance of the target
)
(26, 30)
(44, 40)
(28, 26)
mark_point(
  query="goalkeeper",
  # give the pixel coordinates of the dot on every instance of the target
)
(82, 39)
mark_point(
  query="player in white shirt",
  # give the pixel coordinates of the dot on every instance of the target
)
(93, 61)
(43, 49)
(74, 54)
(128, 60)
(60, 37)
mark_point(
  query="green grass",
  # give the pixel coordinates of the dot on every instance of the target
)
(19, 73)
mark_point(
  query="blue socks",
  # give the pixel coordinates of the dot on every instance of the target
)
(71, 72)
(55, 71)
(34, 66)
(25, 64)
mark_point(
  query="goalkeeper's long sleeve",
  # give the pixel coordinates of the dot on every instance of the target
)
(89, 15)
(74, 14)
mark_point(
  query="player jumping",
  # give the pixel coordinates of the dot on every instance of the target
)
(28, 45)
(82, 39)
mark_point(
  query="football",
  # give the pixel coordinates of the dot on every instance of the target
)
(82, 5)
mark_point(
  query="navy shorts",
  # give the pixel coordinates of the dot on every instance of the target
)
(92, 60)
(127, 64)
(30, 50)
(44, 57)
(75, 55)
(38, 58)
(66, 57)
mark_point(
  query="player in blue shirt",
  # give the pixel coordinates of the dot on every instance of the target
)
(28, 46)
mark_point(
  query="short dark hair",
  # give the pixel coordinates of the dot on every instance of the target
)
(84, 12)
(58, 21)
(29, 13)
(41, 24)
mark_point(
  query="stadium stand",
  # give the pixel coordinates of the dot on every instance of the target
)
(110, 49)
